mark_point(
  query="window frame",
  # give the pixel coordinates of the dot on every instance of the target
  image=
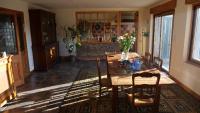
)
(170, 12)
(194, 14)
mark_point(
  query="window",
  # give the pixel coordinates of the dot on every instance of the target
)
(162, 38)
(7, 35)
(195, 48)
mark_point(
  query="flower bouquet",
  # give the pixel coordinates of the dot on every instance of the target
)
(126, 42)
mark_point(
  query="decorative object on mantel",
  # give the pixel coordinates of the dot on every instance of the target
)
(72, 41)
(126, 42)
(114, 38)
(145, 34)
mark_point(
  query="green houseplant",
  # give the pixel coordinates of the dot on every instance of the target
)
(72, 41)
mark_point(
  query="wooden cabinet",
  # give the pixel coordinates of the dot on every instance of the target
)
(7, 89)
(44, 44)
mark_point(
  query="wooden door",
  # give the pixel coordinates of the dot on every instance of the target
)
(17, 58)
(10, 33)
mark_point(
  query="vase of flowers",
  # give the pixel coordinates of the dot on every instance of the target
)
(126, 42)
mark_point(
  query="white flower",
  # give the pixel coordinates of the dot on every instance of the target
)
(121, 37)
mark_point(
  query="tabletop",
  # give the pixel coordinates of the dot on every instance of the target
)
(122, 75)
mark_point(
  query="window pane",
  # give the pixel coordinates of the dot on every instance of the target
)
(157, 28)
(7, 35)
(166, 33)
(162, 38)
(196, 42)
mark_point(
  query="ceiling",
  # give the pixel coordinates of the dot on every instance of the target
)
(55, 4)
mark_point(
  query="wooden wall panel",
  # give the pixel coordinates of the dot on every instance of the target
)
(192, 1)
(166, 7)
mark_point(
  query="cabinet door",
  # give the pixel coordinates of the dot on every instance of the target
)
(51, 53)
(17, 70)
(44, 27)
(52, 28)
(54, 52)
(48, 57)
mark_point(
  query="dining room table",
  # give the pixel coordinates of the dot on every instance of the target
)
(121, 72)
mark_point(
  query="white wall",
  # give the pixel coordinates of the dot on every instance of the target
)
(180, 68)
(22, 6)
(67, 17)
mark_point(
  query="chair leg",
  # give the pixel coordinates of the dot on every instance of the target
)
(122, 88)
(100, 93)
(135, 109)
(156, 109)
(127, 103)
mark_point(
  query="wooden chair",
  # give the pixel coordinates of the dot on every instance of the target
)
(145, 95)
(147, 58)
(157, 62)
(103, 82)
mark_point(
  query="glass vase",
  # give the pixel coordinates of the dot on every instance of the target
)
(124, 55)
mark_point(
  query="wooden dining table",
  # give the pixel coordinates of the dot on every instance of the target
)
(121, 75)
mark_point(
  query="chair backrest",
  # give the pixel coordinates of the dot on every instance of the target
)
(157, 62)
(98, 62)
(107, 62)
(148, 90)
(147, 58)
(98, 69)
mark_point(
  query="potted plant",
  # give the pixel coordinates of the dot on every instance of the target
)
(72, 41)
(126, 42)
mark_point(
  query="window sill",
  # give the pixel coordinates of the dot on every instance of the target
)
(193, 62)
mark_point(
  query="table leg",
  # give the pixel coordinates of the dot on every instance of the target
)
(114, 99)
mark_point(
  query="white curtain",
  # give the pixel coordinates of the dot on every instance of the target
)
(157, 31)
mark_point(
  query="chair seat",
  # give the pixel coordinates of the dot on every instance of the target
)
(105, 82)
(140, 101)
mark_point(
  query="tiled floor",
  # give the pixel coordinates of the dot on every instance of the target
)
(44, 90)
